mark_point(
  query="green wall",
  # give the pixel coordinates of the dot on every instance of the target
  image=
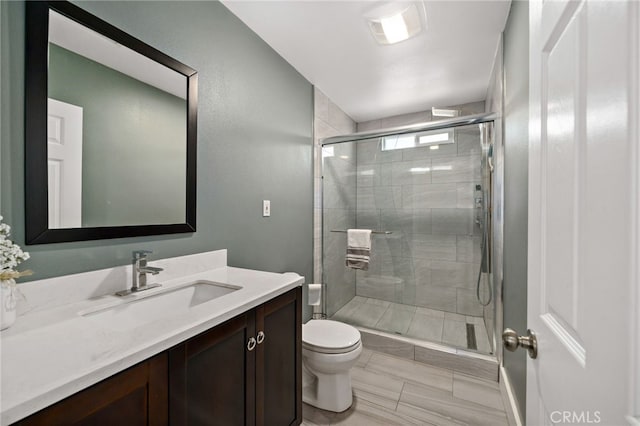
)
(134, 142)
(516, 166)
(254, 141)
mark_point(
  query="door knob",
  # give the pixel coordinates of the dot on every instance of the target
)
(512, 341)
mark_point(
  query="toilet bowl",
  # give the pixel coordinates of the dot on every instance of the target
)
(329, 350)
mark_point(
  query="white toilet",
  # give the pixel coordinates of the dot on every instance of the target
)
(329, 350)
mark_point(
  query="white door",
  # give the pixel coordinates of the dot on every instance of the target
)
(64, 155)
(582, 285)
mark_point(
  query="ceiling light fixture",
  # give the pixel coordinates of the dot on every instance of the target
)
(395, 22)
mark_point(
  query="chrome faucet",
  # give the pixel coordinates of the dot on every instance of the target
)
(139, 273)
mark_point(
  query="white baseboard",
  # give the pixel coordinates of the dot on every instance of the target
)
(509, 399)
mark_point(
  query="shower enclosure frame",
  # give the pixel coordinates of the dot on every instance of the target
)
(468, 120)
(413, 128)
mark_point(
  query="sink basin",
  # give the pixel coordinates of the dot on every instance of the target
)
(160, 305)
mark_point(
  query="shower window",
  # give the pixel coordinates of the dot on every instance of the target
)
(433, 139)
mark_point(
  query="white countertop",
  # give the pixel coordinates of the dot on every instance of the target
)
(49, 354)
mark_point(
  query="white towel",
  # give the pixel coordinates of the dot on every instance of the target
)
(358, 248)
(359, 238)
(357, 263)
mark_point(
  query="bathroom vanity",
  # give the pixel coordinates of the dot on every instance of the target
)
(233, 359)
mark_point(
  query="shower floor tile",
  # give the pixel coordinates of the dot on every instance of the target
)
(426, 327)
(377, 302)
(362, 311)
(396, 319)
(449, 316)
(430, 312)
(455, 333)
(348, 311)
(417, 322)
(368, 314)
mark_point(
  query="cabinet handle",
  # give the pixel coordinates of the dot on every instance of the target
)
(251, 344)
(260, 337)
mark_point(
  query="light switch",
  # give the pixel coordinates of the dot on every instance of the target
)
(266, 208)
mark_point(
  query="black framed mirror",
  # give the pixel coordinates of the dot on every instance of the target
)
(110, 146)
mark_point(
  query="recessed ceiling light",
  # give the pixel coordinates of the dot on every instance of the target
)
(395, 22)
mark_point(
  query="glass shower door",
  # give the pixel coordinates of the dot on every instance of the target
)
(425, 193)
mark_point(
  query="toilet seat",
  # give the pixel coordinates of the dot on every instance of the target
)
(329, 337)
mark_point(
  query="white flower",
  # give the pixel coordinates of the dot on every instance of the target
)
(10, 253)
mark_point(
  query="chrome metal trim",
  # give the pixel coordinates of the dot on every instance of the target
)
(373, 232)
(137, 289)
(413, 128)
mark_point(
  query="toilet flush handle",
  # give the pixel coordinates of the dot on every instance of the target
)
(261, 337)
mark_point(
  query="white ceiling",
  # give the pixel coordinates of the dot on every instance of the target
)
(330, 44)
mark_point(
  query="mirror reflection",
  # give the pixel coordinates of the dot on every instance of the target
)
(116, 133)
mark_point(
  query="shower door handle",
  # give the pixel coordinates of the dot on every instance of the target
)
(512, 341)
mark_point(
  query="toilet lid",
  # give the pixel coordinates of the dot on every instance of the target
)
(329, 336)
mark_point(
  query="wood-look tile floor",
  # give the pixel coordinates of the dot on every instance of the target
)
(396, 391)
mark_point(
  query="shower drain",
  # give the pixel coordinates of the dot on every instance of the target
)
(471, 337)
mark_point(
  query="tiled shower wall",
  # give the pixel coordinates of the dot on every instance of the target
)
(339, 202)
(425, 198)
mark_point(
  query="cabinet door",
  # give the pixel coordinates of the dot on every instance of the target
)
(279, 361)
(211, 376)
(137, 396)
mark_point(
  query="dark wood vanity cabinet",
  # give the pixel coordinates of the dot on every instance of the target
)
(137, 396)
(279, 361)
(246, 371)
(210, 376)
